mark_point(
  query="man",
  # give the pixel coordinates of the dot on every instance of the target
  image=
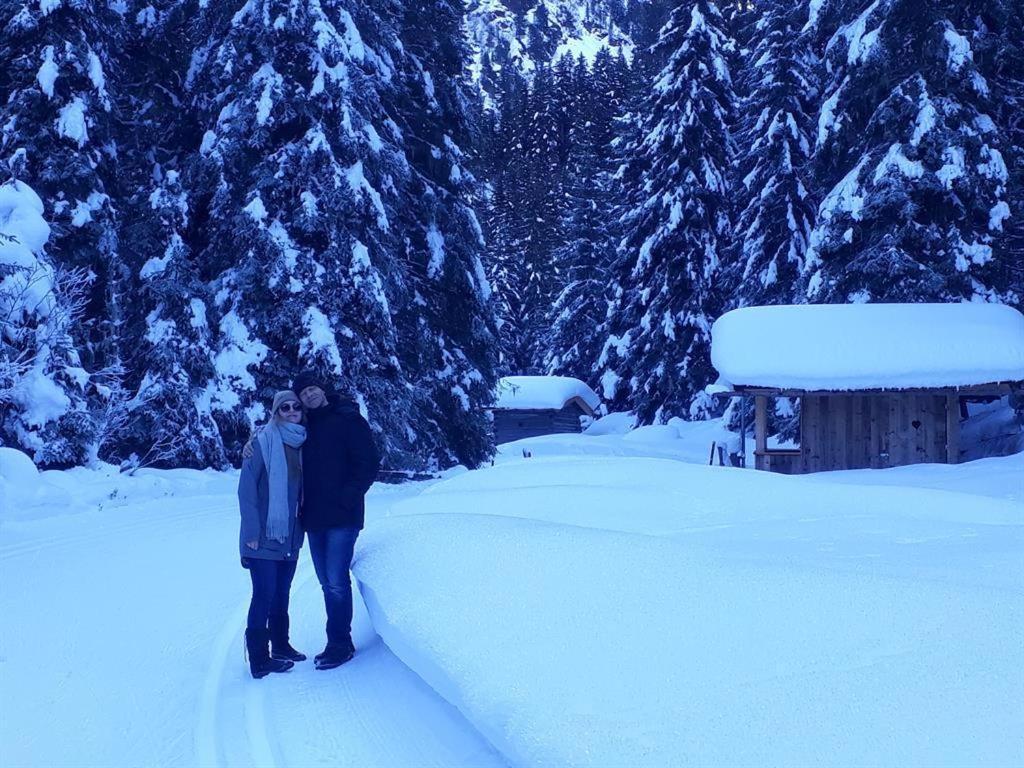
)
(339, 464)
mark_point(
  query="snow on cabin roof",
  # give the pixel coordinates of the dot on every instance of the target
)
(542, 393)
(845, 347)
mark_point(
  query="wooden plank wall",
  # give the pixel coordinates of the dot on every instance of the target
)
(515, 425)
(878, 431)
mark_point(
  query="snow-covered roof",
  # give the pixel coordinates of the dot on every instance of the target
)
(846, 347)
(543, 393)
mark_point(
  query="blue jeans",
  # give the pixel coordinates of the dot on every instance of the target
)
(271, 583)
(331, 551)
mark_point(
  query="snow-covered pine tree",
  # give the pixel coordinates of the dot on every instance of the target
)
(656, 357)
(448, 334)
(59, 136)
(296, 199)
(775, 135)
(1003, 64)
(170, 422)
(506, 270)
(909, 161)
(168, 343)
(539, 186)
(43, 407)
(584, 259)
(524, 218)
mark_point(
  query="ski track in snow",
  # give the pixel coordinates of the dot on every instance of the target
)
(84, 586)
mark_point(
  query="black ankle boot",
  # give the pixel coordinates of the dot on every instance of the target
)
(334, 656)
(280, 648)
(260, 663)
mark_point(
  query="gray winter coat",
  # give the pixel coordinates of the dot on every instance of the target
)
(253, 500)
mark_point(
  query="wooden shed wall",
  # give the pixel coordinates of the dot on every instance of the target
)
(875, 431)
(515, 425)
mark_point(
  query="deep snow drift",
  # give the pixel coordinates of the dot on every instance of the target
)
(622, 610)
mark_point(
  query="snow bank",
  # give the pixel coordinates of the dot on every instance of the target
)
(869, 346)
(613, 610)
(17, 468)
(571, 646)
(790, 514)
(19, 479)
(998, 478)
(545, 392)
(617, 435)
(27, 496)
(992, 429)
(612, 424)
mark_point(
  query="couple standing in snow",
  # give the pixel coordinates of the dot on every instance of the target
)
(305, 472)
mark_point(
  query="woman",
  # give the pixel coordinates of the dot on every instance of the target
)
(270, 536)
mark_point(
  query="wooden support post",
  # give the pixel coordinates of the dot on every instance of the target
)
(743, 432)
(952, 429)
(760, 432)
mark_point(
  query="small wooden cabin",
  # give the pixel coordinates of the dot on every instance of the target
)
(529, 406)
(879, 385)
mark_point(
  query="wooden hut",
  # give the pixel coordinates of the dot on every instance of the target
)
(879, 385)
(528, 406)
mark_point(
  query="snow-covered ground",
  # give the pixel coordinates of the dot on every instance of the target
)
(123, 605)
(608, 600)
(589, 602)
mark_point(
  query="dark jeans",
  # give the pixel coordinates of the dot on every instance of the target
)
(271, 583)
(331, 551)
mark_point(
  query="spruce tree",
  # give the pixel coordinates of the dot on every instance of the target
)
(539, 231)
(586, 256)
(656, 357)
(448, 331)
(504, 263)
(59, 136)
(525, 212)
(170, 422)
(774, 203)
(1002, 55)
(297, 185)
(169, 343)
(910, 163)
(44, 407)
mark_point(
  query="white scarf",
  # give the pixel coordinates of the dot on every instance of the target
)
(272, 440)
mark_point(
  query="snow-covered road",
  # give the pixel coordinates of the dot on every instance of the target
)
(122, 639)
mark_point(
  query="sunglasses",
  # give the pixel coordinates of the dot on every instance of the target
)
(290, 408)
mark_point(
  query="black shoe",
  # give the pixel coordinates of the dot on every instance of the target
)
(260, 663)
(333, 657)
(333, 649)
(264, 668)
(280, 648)
(285, 652)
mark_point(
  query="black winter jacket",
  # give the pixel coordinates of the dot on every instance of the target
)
(339, 464)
